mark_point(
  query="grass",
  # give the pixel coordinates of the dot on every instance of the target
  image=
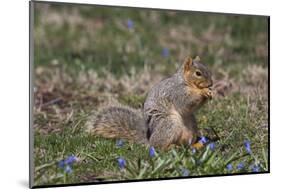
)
(87, 56)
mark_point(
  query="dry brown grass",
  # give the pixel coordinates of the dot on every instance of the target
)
(58, 93)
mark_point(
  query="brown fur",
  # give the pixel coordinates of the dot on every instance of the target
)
(168, 115)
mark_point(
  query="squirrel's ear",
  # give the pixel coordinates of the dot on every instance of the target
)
(197, 59)
(188, 63)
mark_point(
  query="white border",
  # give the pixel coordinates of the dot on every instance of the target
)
(14, 92)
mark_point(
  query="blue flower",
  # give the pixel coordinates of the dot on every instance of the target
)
(165, 52)
(70, 160)
(193, 150)
(240, 166)
(121, 162)
(119, 143)
(212, 146)
(185, 172)
(247, 145)
(130, 24)
(229, 167)
(61, 164)
(203, 140)
(66, 164)
(68, 169)
(151, 151)
(255, 168)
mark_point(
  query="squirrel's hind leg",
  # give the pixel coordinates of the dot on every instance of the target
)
(166, 133)
(172, 129)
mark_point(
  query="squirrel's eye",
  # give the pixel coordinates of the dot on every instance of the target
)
(198, 73)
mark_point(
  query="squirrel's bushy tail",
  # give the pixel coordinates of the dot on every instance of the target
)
(119, 122)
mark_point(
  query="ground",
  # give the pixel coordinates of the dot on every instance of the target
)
(87, 56)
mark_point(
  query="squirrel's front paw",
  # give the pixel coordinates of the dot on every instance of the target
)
(208, 93)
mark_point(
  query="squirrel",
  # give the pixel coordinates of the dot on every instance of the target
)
(167, 118)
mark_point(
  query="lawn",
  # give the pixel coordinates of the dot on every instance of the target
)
(87, 56)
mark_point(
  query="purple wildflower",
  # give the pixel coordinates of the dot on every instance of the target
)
(130, 24)
(240, 166)
(255, 168)
(121, 162)
(66, 164)
(212, 146)
(165, 52)
(247, 145)
(151, 151)
(229, 167)
(68, 169)
(61, 164)
(70, 160)
(203, 140)
(185, 172)
(193, 150)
